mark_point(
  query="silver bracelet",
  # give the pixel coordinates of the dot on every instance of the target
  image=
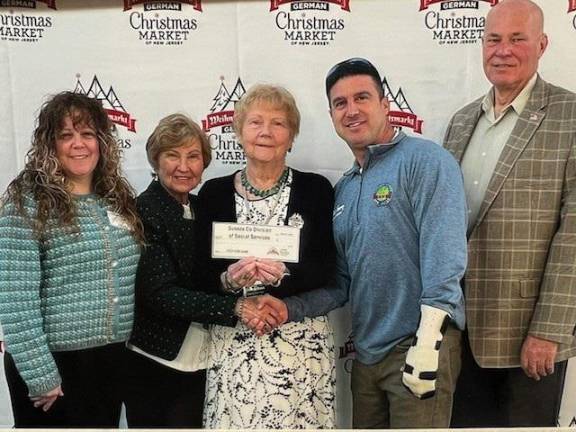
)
(279, 280)
(239, 310)
(227, 284)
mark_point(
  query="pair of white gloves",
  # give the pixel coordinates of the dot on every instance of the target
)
(420, 370)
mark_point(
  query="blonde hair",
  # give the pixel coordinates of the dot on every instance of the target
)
(276, 96)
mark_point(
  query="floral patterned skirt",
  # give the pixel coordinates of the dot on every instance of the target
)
(283, 380)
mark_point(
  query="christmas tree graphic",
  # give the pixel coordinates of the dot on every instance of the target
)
(221, 99)
(397, 101)
(222, 110)
(224, 99)
(110, 102)
(400, 114)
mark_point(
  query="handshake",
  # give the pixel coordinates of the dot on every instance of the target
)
(262, 314)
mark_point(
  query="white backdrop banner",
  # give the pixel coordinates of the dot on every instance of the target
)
(147, 59)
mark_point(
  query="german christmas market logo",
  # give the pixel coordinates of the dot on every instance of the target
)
(400, 114)
(218, 124)
(29, 4)
(309, 23)
(163, 22)
(111, 104)
(453, 23)
(163, 5)
(20, 27)
(347, 352)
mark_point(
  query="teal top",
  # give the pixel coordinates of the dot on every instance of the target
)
(68, 290)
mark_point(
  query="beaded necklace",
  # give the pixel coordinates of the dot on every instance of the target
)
(273, 205)
(263, 193)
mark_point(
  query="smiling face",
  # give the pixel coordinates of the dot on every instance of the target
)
(180, 169)
(77, 151)
(266, 136)
(359, 115)
(513, 44)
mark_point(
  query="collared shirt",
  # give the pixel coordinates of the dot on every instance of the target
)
(400, 235)
(486, 145)
(396, 132)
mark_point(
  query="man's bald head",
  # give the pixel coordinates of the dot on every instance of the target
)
(513, 43)
(525, 7)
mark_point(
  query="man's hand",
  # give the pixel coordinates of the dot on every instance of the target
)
(537, 357)
(420, 371)
(421, 368)
(46, 400)
(263, 314)
(279, 307)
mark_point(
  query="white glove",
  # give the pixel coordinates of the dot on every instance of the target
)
(419, 372)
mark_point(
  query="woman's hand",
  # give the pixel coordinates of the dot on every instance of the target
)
(46, 400)
(242, 273)
(262, 316)
(270, 272)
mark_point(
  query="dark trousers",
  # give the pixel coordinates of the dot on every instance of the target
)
(161, 397)
(93, 386)
(489, 397)
(25, 415)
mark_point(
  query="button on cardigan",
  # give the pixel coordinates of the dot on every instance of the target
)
(66, 291)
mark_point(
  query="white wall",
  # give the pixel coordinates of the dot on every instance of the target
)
(424, 52)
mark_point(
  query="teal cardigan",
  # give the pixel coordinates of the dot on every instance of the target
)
(66, 291)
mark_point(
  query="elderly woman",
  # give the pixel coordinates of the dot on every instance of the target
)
(69, 247)
(284, 379)
(167, 376)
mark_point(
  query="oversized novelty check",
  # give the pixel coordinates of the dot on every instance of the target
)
(235, 241)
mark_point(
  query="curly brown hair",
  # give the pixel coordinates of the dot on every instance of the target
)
(44, 180)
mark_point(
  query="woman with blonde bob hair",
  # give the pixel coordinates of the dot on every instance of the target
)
(69, 245)
(167, 369)
(285, 378)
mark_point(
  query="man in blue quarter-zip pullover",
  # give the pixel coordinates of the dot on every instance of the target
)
(400, 232)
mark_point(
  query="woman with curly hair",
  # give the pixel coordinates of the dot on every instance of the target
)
(69, 246)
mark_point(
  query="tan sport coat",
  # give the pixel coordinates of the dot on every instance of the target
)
(521, 276)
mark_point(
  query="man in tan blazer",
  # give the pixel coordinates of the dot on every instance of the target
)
(517, 149)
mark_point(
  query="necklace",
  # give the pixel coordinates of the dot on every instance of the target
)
(271, 207)
(263, 193)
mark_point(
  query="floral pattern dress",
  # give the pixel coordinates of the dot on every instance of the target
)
(283, 380)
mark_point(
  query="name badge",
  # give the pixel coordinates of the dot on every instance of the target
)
(118, 221)
(236, 241)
